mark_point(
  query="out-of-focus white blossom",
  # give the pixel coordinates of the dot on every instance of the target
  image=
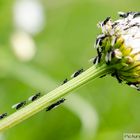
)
(23, 46)
(29, 16)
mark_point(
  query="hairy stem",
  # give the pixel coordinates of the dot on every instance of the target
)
(46, 100)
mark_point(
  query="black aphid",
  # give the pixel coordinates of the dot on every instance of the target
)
(115, 74)
(138, 88)
(99, 55)
(65, 81)
(114, 24)
(108, 57)
(19, 105)
(136, 14)
(134, 85)
(34, 97)
(95, 60)
(102, 76)
(124, 15)
(77, 73)
(112, 54)
(55, 104)
(105, 21)
(133, 25)
(99, 39)
(3, 115)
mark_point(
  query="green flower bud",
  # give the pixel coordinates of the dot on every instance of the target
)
(118, 46)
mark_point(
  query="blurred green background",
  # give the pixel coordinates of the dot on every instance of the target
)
(63, 43)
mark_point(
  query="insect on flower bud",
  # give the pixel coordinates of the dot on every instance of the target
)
(119, 45)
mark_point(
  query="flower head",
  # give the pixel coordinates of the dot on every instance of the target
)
(118, 46)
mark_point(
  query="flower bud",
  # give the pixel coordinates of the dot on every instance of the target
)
(118, 46)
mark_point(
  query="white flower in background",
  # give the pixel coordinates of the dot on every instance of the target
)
(29, 16)
(23, 46)
(119, 47)
(28, 20)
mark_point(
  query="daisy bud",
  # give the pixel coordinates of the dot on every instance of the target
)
(118, 46)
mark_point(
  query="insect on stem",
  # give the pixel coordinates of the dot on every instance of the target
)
(3, 115)
(55, 104)
(19, 105)
(34, 97)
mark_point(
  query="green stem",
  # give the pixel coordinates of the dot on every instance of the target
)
(46, 100)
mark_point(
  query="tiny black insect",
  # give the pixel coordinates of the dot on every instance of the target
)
(77, 73)
(133, 25)
(115, 74)
(95, 60)
(100, 39)
(3, 115)
(102, 76)
(19, 105)
(113, 54)
(108, 57)
(114, 24)
(65, 81)
(99, 55)
(105, 21)
(136, 14)
(134, 85)
(138, 88)
(124, 15)
(34, 97)
(55, 104)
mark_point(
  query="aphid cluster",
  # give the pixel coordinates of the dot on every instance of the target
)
(22, 104)
(106, 41)
(99, 44)
(37, 95)
(75, 74)
(125, 15)
(105, 53)
(109, 30)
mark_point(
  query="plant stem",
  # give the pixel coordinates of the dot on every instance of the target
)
(92, 73)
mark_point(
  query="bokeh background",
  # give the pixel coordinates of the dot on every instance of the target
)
(44, 41)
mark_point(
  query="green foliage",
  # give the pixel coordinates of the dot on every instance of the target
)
(65, 45)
